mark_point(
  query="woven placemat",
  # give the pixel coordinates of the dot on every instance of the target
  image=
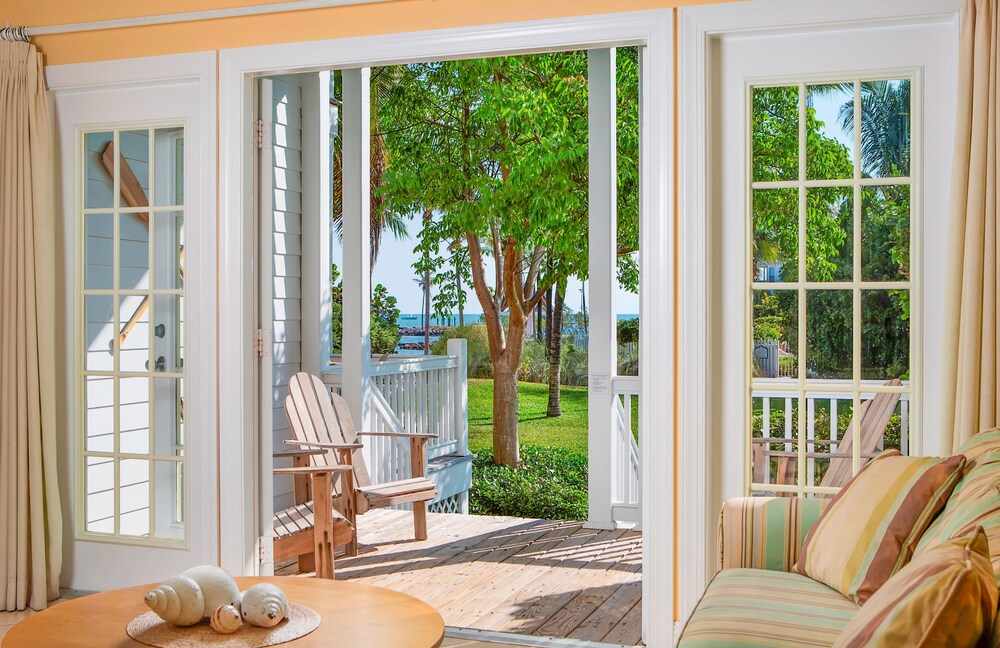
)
(151, 630)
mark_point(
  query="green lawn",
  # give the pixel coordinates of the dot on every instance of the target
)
(568, 431)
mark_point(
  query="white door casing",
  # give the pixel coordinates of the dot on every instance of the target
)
(163, 90)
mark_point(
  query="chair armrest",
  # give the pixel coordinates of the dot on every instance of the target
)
(291, 454)
(305, 470)
(765, 532)
(402, 435)
(324, 444)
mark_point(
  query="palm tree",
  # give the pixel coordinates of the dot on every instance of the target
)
(382, 219)
(885, 125)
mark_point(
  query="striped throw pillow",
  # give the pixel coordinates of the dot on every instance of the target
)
(870, 528)
(945, 597)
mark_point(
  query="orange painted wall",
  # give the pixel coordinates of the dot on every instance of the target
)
(317, 24)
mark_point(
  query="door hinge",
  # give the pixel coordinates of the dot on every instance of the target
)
(265, 551)
(261, 343)
(260, 134)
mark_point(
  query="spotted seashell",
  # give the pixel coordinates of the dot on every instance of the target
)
(178, 600)
(226, 619)
(264, 605)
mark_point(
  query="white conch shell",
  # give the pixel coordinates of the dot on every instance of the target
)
(217, 586)
(226, 619)
(264, 605)
(178, 600)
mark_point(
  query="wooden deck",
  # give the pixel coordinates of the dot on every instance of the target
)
(536, 577)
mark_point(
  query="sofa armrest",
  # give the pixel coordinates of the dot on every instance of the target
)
(765, 532)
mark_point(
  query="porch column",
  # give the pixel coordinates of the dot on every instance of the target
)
(357, 341)
(603, 343)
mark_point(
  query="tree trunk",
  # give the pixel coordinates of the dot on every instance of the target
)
(427, 313)
(505, 447)
(554, 352)
(459, 295)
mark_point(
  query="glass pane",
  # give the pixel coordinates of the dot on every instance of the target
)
(775, 234)
(168, 333)
(169, 166)
(98, 171)
(829, 229)
(775, 133)
(99, 418)
(169, 236)
(133, 251)
(98, 315)
(100, 492)
(133, 313)
(774, 417)
(133, 415)
(885, 334)
(169, 509)
(168, 417)
(897, 430)
(885, 128)
(134, 168)
(830, 131)
(134, 497)
(829, 418)
(829, 324)
(885, 233)
(100, 251)
(775, 334)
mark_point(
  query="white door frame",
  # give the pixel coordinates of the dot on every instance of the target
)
(86, 561)
(654, 30)
(697, 27)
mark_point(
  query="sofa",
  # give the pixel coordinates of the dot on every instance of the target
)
(758, 599)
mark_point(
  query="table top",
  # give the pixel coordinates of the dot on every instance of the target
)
(352, 614)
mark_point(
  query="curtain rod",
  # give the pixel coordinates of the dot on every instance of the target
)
(193, 16)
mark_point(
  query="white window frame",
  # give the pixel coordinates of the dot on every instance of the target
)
(82, 454)
(801, 389)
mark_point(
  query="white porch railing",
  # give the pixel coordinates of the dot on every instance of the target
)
(625, 482)
(414, 395)
(834, 399)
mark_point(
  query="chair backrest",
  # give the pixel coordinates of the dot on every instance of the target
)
(874, 416)
(316, 414)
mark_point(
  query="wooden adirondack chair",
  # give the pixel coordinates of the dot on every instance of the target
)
(873, 415)
(322, 420)
(311, 528)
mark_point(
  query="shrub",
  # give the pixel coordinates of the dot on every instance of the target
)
(551, 485)
(480, 363)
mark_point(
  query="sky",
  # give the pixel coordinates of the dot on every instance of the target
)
(394, 269)
(827, 111)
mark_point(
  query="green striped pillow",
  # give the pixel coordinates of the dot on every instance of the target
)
(870, 528)
(944, 597)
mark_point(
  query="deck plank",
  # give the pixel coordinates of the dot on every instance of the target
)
(546, 578)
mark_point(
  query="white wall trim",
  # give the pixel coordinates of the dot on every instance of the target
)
(697, 27)
(651, 28)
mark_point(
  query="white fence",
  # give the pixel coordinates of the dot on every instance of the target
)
(625, 481)
(837, 402)
(415, 395)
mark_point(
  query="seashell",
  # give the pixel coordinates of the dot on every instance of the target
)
(178, 600)
(264, 605)
(226, 619)
(217, 586)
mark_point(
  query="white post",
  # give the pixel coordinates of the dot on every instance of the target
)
(459, 347)
(357, 242)
(316, 224)
(602, 350)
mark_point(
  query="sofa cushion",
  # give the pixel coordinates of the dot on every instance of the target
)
(982, 444)
(745, 608)
(765, 532)
(947, 596)
(870, 528)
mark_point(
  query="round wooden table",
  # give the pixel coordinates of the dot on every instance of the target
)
(355, 615)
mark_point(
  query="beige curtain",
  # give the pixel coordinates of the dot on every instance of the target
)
(30, 516)
(972, 339)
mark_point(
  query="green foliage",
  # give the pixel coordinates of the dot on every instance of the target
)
(628, 331)
(478, 348)
(384, 330)
(551, 484)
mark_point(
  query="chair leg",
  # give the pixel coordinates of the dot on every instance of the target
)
(323, 525)
(420, 520)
